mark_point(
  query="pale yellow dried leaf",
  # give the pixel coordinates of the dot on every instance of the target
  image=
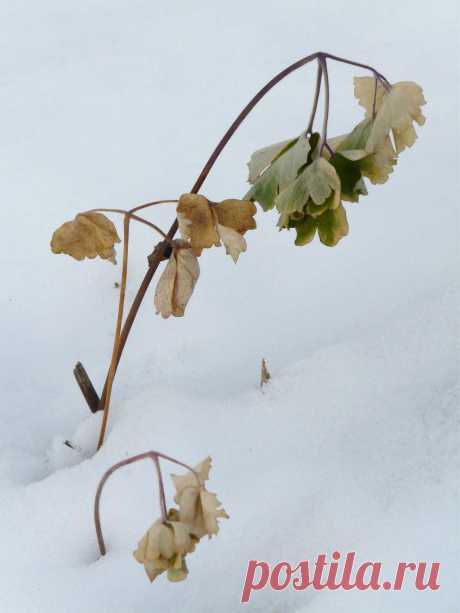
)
(233, 241)
(197, 506)
(189, 479)
(396, 109)
(87, 236)
(177, 281)
(164, 546)
(212, 510)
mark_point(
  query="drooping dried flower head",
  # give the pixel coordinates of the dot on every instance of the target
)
(164, 547)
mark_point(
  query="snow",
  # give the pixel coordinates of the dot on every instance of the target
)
(354, 444)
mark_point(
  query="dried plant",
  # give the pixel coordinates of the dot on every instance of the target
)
(307, 178)
(176, 533)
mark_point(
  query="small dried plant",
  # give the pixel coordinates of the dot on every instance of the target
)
(307, 179)
(176, 533)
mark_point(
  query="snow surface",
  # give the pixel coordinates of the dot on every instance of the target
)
(354, 445)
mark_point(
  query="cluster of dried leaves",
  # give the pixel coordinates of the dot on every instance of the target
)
(305, 179)
(165, 545)
(308, 183)
(202, 224)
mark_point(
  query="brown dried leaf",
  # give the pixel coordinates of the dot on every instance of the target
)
(177, 282)
(236, 214)
(196, 222)
(87, 236)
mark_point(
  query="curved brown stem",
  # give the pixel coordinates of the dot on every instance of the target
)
(116, 340)
(153, 455)
(323, 64)
(314, 108)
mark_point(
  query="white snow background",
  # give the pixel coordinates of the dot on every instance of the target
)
(354, 445)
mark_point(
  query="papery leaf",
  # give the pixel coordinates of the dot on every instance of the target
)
(396, 109)
(236, 214)
(87, 236)
(164, 546)
(177, 281)
(196, 222)
(197, 506)
(233, 241)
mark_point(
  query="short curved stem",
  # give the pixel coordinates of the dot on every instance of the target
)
(149, 204)
(130, 213)
(323, 63)
(360, 65)
(374, 100)
(315, 99)
(116, 340)
(163, 509)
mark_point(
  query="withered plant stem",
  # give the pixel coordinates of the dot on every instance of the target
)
(162, 248)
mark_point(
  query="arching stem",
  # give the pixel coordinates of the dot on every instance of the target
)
(323, 63)
(315, 99)
(159, 253)
(116, 340)
(155, 457)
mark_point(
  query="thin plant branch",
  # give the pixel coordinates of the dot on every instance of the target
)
(315, 99)
(380, 76)
(116, 340)
(374, 100)
(149, 204)
(323, 63)
(130, 213)
(154, 456)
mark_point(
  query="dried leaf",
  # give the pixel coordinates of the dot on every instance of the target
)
(197, 506)
(205, 224)
(196, 222)
(87, 236)
(264, 374)
(177, 281)
(397, 109)
(164, 547)
(233, 241)
(236, 214)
